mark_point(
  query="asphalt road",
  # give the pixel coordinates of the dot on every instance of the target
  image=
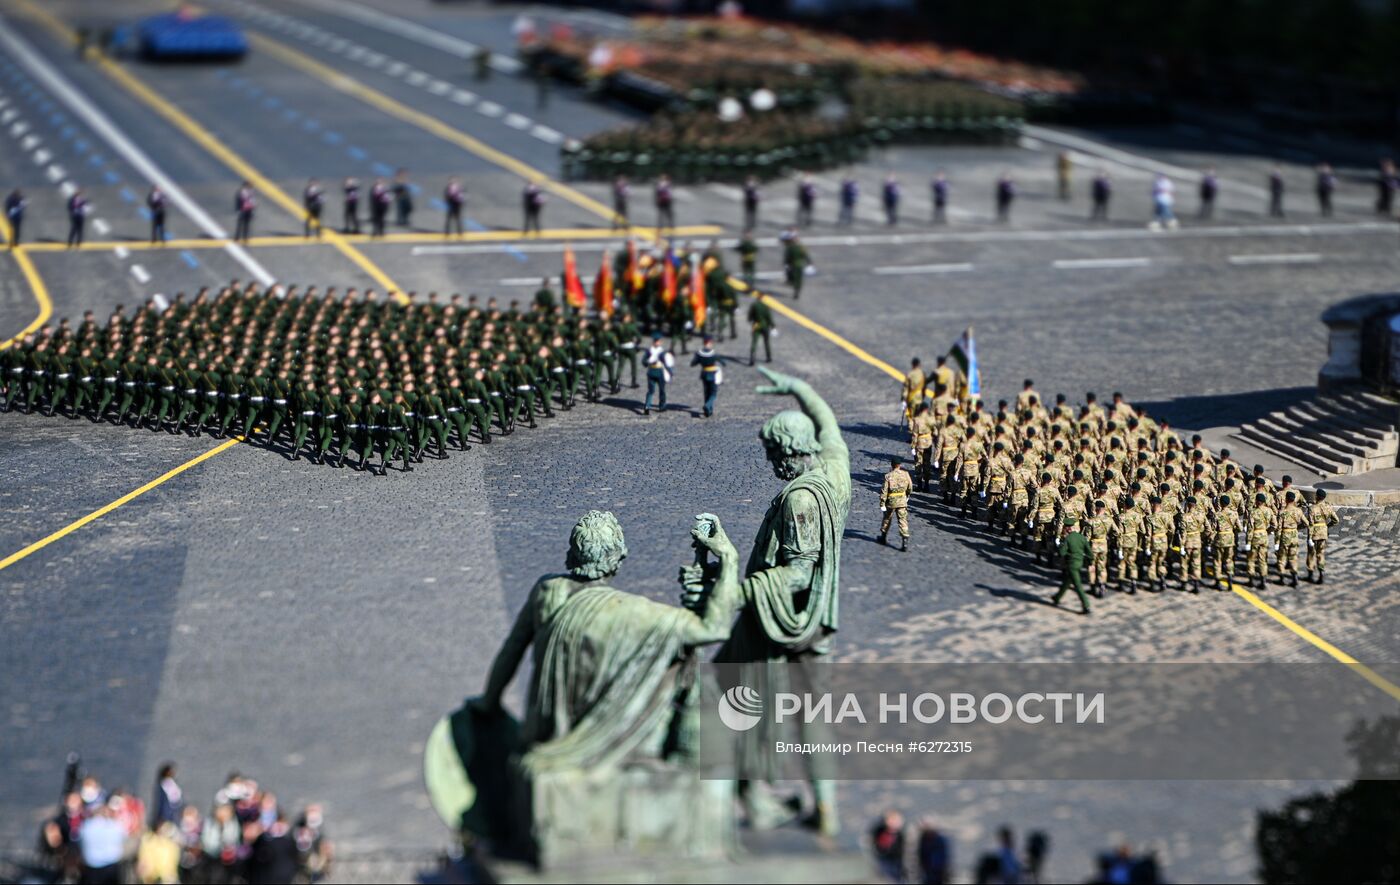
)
(308, 625)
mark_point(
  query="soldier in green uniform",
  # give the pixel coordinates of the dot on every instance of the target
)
(329, 426)
(796, 261)
(396, 429)
(1321, 515)
(629, 342)
(894, 502)
(1074, 548)
(760, 328)
(748, 256)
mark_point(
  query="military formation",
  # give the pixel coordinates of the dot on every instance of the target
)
(348, 377)
(1152, 508)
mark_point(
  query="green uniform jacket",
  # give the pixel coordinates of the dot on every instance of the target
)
(1074, 549)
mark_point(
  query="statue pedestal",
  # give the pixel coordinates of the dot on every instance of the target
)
(787, 855)
(641, 811)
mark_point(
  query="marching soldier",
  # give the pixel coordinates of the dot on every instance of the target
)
(1130, 526)
(760, 328)
(748, 255)
(921, 430)
(1261, 522)
(1289, 522)
(752, 197)
(894, 502)
(1321, 515)
(912, 390)
(795, 263)
(659, 363)
(998, 489)
(1193, 526)
(1225, 528)
(1159, 531)
(1099, 527)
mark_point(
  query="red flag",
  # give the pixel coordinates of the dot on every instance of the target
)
(603, 289)
(697, 296)
(573, 286)
(634, 268)
(668, 280)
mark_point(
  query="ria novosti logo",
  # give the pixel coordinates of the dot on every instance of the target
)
(740, 708)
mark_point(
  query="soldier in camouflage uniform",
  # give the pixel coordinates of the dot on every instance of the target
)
(894, 502)
(1320, 517)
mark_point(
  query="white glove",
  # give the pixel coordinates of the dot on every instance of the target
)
(882, 508)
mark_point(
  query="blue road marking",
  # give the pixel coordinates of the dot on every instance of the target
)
(333, 137)
(254, 91)
(439, 205)
(67, 133)
(291, 116)
(474, 225)
(112, 177)
(143, 212)
(189, 258)
(272, 102)
(311, 124)
(96, 160)
(57, 119)
(356, 153)
(127, 195)
(80, 146)
(383, 169)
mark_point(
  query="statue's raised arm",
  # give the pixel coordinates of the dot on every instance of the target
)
(833, 450)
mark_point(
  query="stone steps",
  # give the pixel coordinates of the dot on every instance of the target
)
(1344, 432)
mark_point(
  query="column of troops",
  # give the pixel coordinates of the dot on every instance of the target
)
(1151, 507)
(332, 375)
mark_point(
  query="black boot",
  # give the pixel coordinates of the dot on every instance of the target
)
(1319, 577)
(903, 545)
(1293, 579)
(883, 539)
(1195, 586)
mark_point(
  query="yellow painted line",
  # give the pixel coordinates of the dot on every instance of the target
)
(205, 139)
(811, 325)
(350, 86)
(1307, 635)
(124, 499)
(36, 287)
(422, 239)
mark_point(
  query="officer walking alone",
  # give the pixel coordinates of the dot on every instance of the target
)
(1074, 548)
(659, 362)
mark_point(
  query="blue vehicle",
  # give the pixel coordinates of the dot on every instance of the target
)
(183, 35)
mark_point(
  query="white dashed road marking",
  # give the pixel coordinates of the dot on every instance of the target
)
(896, 270)
(1281, 258)
(140, 273)
(1096, 263)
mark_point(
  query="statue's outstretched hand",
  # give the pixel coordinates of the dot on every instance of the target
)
(714, 539)
(780, 384)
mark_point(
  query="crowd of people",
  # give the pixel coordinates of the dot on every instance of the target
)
(102, 836)
(346, 375)
(1099, 485)
(924, 854)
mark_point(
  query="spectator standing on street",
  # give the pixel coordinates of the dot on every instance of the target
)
(1326, 186)
(244, 202)
(1163, 198)
(620, 192)
(1276, 192)
(887, 843)
(665, 205)
(1210, 186)
(1005, 195)
(1387, 183)
(533, 200)
(351, 224)
(77, 217)
(752, 196)
(313, 848)
(850, 193)
(15, 205)
(102, 839)
(380, 197)
(1037, 849)
(454, 198)
(1102, 191)
(939, 187)
(806, 200)
(1064, 167)
(168, 800)
(273, 860)
(158, 858)
(890, 195)
(935, 854)
(221, 840)
(403, 199)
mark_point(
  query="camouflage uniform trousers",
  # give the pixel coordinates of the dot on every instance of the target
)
(1257, 560)
(1128, 562)
(902, 512)
(1191, 559)
(1157, 560)
(1223, 559)
(1317, 554)
(1288, 555)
